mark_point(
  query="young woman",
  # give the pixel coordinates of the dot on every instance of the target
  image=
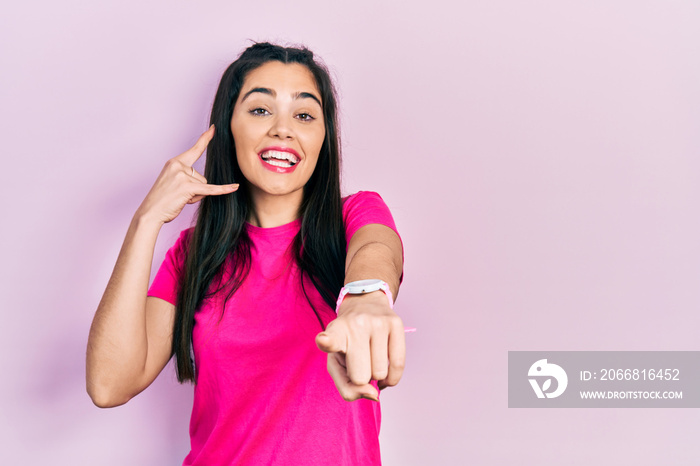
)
(255, 290)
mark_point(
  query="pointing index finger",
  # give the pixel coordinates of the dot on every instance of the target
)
(332, 340)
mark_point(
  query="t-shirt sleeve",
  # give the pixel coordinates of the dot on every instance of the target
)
(165, 284)
(364, 208)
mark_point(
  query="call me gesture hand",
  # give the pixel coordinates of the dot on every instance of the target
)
(179, 184)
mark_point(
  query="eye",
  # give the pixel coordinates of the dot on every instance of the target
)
(305, 117)
(259, 111)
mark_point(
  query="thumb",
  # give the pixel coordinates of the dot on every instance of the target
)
(369, 393)
(331, 341)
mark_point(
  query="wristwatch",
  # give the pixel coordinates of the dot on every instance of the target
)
(363, 287)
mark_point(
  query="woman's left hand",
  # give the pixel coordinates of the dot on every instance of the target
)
(366, 341)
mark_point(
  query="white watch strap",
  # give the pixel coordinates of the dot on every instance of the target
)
(362, 287)
(367, 286)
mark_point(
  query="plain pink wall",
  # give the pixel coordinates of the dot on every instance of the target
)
(541, 158)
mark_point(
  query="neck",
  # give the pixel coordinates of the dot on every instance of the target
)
(271, 210)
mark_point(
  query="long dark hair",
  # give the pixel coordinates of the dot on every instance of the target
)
(219, 241)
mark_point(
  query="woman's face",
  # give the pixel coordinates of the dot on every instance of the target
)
(278, 129)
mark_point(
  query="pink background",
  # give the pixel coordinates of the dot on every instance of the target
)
(541, 158)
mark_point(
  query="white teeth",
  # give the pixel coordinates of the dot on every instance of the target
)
(278, 163)
(273, 154)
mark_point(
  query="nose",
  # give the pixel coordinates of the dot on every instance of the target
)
(281, 128)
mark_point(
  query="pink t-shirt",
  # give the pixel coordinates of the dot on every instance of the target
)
(263, 394)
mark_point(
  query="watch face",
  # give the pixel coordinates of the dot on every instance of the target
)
(364, 286)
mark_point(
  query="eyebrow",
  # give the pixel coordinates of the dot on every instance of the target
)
(296, 95)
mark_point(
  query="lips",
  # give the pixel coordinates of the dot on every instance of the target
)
(279, 159)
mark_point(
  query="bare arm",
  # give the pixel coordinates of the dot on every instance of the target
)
(120, 361)
(367, 339)
(131, 334)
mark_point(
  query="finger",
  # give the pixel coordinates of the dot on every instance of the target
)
(333, 339)
(228, 188)
(348, 390)
(378, 345)
(195, 174)
(397, 356)
(199, 189)
(358, 359)
(190, 156)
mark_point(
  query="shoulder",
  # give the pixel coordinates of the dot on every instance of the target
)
(362, 199)
(185, 236)
(178, 251)
(360, 195)
(365, 208)
(169, 275)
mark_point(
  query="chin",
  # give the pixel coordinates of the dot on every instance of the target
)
(278, 190)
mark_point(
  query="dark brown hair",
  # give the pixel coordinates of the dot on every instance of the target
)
(219, 239)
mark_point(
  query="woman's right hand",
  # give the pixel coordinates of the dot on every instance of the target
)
(179, 184)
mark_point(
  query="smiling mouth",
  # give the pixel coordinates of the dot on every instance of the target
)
(279, 158)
